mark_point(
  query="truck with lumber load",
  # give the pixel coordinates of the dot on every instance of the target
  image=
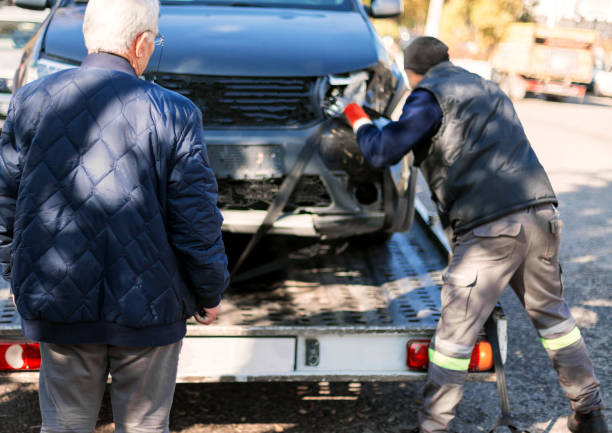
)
(549, 61)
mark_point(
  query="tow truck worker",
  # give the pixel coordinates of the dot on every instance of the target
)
(491, 189)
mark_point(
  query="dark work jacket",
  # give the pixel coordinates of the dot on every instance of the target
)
(480, 165)
(109, 230)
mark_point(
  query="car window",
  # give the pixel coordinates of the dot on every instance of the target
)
(345, 5)
(14, 35)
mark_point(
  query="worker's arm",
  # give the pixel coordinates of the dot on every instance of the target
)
(420, 120)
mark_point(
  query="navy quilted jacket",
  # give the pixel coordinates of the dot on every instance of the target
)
(109, 230)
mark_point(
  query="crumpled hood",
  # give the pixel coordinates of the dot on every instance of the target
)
(237, 41)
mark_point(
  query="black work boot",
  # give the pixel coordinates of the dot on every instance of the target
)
(591, 422)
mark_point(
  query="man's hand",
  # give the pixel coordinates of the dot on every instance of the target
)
(354, 92)
(210, 315)
(356, 116)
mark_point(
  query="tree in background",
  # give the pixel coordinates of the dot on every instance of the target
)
(473, 27)
(470, 27)
(415, 14)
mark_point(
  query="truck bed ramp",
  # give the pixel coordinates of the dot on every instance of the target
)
(334, 315)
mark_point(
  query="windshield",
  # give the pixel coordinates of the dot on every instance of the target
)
(14, 35)
(343, 5)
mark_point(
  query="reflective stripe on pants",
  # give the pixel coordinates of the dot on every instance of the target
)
(448, 362)
(562, 342)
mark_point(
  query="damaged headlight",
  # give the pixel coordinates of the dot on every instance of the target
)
(371, 89)
(382, 90)
(344, 89)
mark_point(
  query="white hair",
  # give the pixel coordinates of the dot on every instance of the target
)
(113, 25)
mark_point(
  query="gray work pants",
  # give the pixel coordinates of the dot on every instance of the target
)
(520, 249)
(73, 379)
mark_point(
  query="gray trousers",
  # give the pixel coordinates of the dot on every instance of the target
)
(73, 379)
(520, 249)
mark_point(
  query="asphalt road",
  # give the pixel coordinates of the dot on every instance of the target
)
(574, 143)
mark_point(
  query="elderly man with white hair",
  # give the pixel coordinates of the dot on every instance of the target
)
(109, 230)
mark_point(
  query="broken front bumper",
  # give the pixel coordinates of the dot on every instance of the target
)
(327, 226)
(246, 161)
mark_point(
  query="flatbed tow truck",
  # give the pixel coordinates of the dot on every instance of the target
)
(361, 313)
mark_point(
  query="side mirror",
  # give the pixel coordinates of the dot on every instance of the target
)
(386, 8)
(35, 4)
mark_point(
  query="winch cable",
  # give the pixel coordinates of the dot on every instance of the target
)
(284, 193)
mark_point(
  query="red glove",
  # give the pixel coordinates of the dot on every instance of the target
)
(356, 116)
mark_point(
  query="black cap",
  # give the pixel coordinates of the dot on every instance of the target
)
(424, 53)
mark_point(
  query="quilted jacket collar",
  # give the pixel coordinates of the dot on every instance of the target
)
(108, 61)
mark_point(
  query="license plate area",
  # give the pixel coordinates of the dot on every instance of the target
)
(246, 161)
(236, 356)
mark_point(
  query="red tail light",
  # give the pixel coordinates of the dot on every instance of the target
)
(482, 357)
(417, 356)
(19, 356)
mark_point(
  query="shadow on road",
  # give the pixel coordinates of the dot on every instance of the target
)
(298, 407)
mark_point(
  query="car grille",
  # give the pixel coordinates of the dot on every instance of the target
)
(259, 194)
(248, 101)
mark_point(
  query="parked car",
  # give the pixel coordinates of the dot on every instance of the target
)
(263, 73)
(602, 82)
(16, 27)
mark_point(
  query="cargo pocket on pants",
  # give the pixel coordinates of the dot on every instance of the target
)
(492, 239)
(555, 226)
(456, 292)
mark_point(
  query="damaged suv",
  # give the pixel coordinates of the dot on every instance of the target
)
(263, 73)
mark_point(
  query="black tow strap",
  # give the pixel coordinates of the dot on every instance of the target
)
(505, 420)
(284, 193)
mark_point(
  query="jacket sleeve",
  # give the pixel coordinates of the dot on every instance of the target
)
(193, 217)
(9, 183)
(419, 122)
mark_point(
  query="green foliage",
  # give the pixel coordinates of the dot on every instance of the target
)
(386, 27)
(469, 27)
(415, 14)
(478, 24)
